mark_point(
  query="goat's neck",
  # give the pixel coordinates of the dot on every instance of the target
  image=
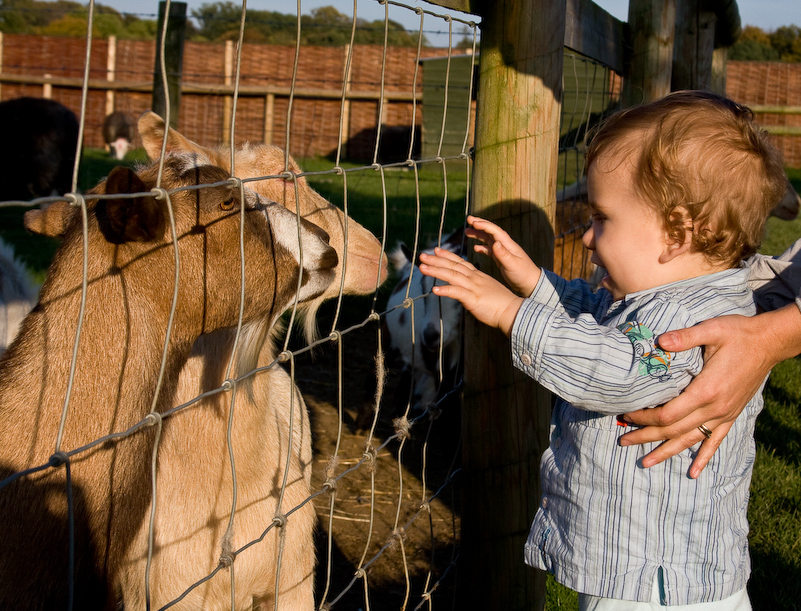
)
(118, 364)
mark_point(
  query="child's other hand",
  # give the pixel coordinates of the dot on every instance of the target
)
(517, 268)
(483, 296)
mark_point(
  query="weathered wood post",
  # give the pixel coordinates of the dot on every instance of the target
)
(506, 415)
(651, 30)
(175, 23)
(701, 28)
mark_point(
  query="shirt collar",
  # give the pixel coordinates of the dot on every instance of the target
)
(727, 278)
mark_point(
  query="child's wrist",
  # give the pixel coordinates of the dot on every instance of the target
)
(507, 318)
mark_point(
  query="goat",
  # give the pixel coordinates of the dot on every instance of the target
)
(272, 441)
(99, 500)
(425, 336)
(118, 133)
(17, 295)
(38, 158)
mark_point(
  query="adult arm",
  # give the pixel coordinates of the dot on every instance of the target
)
(740, 351)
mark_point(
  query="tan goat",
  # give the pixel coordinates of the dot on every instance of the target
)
(128, 302)
(194, 497)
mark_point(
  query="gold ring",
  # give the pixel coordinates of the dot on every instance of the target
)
(707, 433)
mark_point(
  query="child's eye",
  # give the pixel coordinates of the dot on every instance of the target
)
(597, 217)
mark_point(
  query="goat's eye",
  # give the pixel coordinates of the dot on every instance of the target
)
(228, 204)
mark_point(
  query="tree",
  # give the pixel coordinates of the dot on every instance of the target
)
(325, 26)
(754, 44)
(65, 18)
(787, 42)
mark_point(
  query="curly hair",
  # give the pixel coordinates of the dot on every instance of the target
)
(698, 154)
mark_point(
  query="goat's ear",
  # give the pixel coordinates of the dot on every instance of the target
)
(139, 219)
(51, 221)
(151, 129)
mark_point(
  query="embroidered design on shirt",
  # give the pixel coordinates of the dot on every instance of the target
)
(653, 361)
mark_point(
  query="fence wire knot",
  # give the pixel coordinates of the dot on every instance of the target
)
(160, 193)
(152, 419)
(374, 316)
(371, 457)
(330, 484)
(407, 303)
(236, 183)
(58, 459)
(360, 573)
(288, 175)
(398, 536)
(74, 199)
(335, 336)
(226, 560)
(426, 506)
(434, 411)
(279, 520)
(376, 166)
(228, 384)
(284, 356)
(402, 427)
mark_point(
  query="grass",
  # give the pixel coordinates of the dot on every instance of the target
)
(775, 507)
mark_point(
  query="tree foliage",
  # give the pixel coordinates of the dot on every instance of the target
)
(66, 18)
(325, 26)
(755, 44)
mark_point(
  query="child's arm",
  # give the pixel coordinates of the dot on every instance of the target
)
(610, 370)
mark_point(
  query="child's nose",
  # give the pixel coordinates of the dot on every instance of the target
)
(588, 239)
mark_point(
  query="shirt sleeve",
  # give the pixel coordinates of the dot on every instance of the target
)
(605, 369)
(776, 281)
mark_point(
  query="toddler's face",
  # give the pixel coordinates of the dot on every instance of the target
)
(626, 237)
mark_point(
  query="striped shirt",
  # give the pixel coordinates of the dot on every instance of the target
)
(606, 525)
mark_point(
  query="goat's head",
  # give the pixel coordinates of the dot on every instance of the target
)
(364, 264)
(131, 235)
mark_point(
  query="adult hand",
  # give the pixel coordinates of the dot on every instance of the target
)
(740, 352)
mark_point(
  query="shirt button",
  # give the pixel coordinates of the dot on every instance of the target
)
(545, 502)
(526, 360)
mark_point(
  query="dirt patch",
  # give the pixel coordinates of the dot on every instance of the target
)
(380, 518)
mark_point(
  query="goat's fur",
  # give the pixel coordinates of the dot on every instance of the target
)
(194, 497)
(128, 303)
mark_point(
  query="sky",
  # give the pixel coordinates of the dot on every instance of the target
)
(766, 14)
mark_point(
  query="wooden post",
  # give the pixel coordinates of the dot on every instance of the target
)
(111, 72)
(228, 101)
(2, 44)
(651, 29)
(695, 42)
(506, 415)
(175, 23)
(269, 117)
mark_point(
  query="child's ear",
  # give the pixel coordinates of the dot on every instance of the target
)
(673, 247)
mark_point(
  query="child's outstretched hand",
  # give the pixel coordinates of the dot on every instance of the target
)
(482, 295)
(517, 268)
